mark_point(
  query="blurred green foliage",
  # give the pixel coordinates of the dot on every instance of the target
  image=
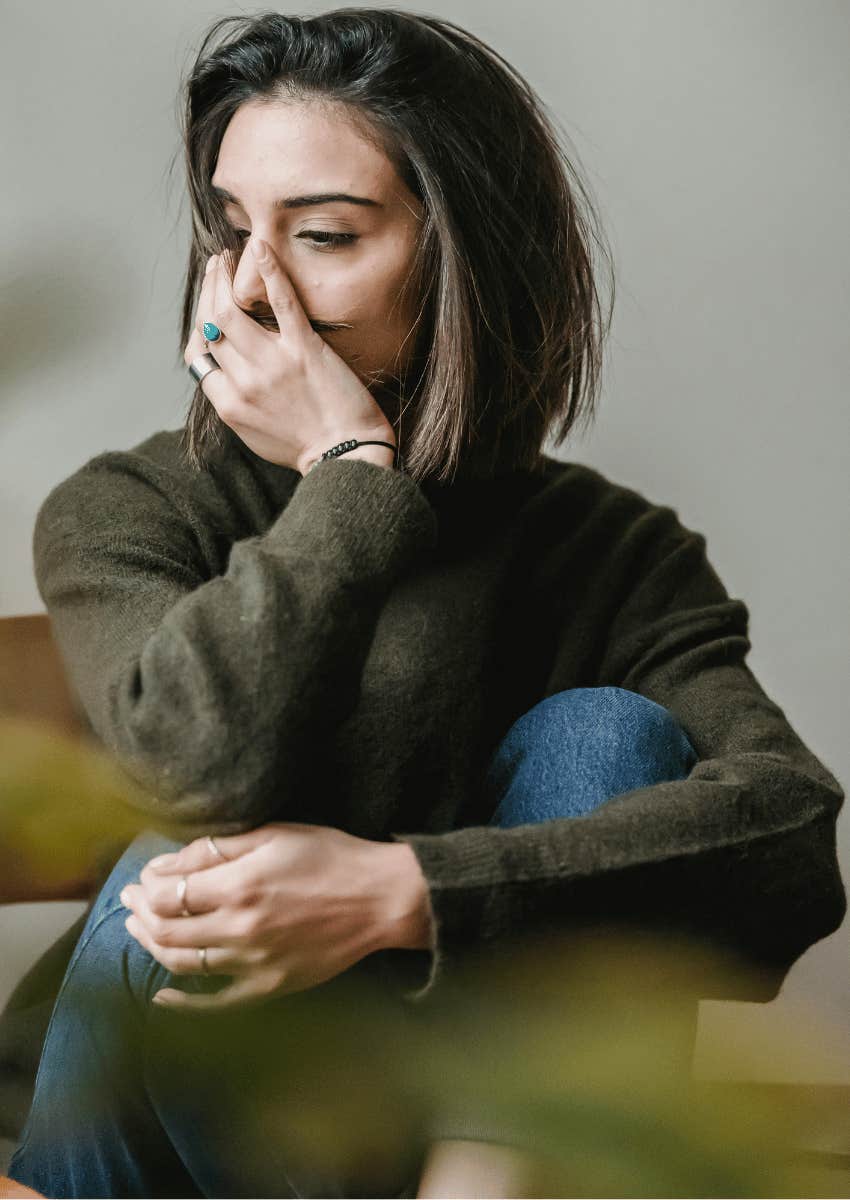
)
(575, 1050)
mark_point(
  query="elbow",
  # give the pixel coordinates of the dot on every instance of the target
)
(196, 770)
(800, 900)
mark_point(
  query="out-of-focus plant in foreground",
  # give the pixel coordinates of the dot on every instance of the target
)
(63, 805)
(574, 1049)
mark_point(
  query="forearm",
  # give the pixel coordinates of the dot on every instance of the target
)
(740, 854)
(211, 690)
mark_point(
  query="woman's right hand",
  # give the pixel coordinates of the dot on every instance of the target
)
(287, 394)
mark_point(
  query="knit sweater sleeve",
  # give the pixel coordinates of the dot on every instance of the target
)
(211, 688)
(740, 854)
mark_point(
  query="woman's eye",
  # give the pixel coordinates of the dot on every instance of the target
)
(328, 239)
(323, 238)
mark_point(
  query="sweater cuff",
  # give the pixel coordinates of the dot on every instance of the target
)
(459, 876)
(369, 521)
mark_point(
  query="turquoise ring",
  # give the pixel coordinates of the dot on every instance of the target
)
(212, 333)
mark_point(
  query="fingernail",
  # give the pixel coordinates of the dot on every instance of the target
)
(162, 860)
(259, 249)
(156, 1000)
(125, 898)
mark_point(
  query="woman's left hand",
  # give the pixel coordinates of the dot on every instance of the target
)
(292, 906)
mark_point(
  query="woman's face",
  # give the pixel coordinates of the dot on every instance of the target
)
(347, 259)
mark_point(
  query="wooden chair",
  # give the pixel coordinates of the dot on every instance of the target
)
(32, 678)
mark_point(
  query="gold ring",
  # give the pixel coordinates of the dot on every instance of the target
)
(182, 884)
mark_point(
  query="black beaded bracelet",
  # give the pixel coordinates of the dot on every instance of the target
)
(344, 447)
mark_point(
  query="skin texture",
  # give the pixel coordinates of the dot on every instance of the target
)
(285, 393)
(281, 908)
(279, 391)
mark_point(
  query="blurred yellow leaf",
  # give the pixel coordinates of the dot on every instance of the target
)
(63, 803)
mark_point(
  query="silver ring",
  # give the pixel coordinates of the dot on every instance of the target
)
(214, 847)
(200, 367)
(182, 884)
(202, 955)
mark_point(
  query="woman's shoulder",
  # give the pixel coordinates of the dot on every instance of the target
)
(587, 493)
(153, 481)
(158, 458)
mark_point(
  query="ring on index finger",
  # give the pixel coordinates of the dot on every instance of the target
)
(182, 884)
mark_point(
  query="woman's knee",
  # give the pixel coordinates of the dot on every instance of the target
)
(579, 747)
(624, 722)
(106, 949)
(604, 721)
(129, 866)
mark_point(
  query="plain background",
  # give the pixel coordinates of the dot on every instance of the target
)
(714, 138)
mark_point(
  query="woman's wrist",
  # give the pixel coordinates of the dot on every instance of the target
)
(406, 920)
(382, 456)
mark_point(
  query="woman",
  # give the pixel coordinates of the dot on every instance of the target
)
(411, 688)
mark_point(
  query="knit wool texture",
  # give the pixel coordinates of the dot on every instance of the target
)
(348, 649)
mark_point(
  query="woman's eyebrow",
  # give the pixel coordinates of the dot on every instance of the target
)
(303, 201)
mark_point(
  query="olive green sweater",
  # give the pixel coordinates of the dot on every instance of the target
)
(348, 648)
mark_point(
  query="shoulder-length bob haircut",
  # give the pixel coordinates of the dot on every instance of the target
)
(509, 333)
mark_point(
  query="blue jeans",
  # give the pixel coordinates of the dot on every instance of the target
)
(565, 756)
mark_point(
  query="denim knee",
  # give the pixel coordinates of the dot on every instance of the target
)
(105, 923)
(580, 747)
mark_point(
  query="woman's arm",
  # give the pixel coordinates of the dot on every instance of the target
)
(218, 689)
(741, 853)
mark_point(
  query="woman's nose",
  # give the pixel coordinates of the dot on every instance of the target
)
(249, 289)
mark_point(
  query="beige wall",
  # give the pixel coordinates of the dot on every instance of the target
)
(714, 135)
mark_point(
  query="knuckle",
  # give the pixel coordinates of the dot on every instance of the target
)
(226, 409)
(249, 383)
(221, 314)
(165, 937)
(170, 959)
(297, 358)
(158, 929)
(161, 896)
(249, 897)
(183, 859)
(247, 924)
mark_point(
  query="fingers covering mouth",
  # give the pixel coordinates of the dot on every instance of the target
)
(269, 322)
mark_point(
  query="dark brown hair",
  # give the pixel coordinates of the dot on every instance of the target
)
(510, 330)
